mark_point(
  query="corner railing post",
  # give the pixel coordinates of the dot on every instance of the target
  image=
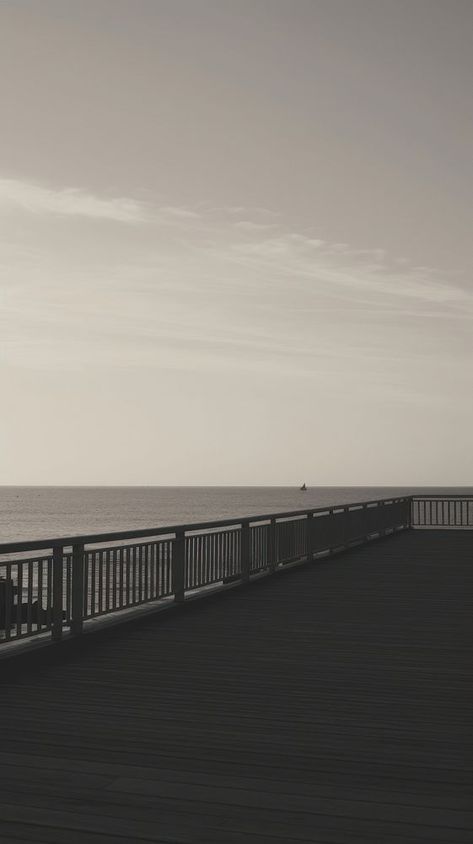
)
(245, 551)
(310, 536)
(179, 566)
(58, 579)
(78, 607)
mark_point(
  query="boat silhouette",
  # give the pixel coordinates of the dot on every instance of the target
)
(303, 488)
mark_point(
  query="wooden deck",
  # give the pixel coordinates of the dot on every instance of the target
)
(329, 704)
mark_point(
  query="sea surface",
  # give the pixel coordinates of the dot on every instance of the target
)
(49, 512)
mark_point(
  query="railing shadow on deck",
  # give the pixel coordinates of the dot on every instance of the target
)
(55, 586)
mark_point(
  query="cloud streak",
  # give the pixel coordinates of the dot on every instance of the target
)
(69, 202)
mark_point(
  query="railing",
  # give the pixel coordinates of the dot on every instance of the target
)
(51, 585)
(436, 511)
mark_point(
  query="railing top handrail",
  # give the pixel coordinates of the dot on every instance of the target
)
(466, 496)
(116, 536)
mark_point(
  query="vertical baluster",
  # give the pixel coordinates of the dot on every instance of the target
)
(49, 591)
(160, 556)
(86, 583)
(40, 593)
(121, 578)
(201, 558)
(131, 576)
(191, 578)
(141, 573)
(193, 567)
(235, 551)
(178, 566)
(153, 549)
(226, 555)
(107, 579)
(93, 577)
(115, 578)
(165, 572)
(217, 557)
(245, 551)
(187, 556)
(128, 576)
(146, 595)
(206, 557)
(29, 599)
(214, 556)
(168, 567)
(136, 571)
(165, 568)
(100, 578)
(67, 586)
(169, 587)
(8, 601)
(134, 568)
(19, 598)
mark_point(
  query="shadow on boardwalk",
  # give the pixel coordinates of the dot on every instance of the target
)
(329, 704)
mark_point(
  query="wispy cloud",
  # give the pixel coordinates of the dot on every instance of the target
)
(38, 199)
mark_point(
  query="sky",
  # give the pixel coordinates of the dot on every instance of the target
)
(235, 242)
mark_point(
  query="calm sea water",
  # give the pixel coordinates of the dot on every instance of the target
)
(40, 512)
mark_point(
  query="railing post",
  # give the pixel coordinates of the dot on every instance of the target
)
(345, 526)
(272, 545)
(179, 566)
(78, 596)
(409, 509)
(9, 592)
(310, 536)
(58, 577)
(245, 551)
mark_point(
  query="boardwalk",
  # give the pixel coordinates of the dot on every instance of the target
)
(330, 703)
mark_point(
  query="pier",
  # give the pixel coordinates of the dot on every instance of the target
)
(293, 677)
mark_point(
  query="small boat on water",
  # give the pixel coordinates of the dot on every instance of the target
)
(303, 488)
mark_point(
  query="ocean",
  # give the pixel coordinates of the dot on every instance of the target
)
(48, 512)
